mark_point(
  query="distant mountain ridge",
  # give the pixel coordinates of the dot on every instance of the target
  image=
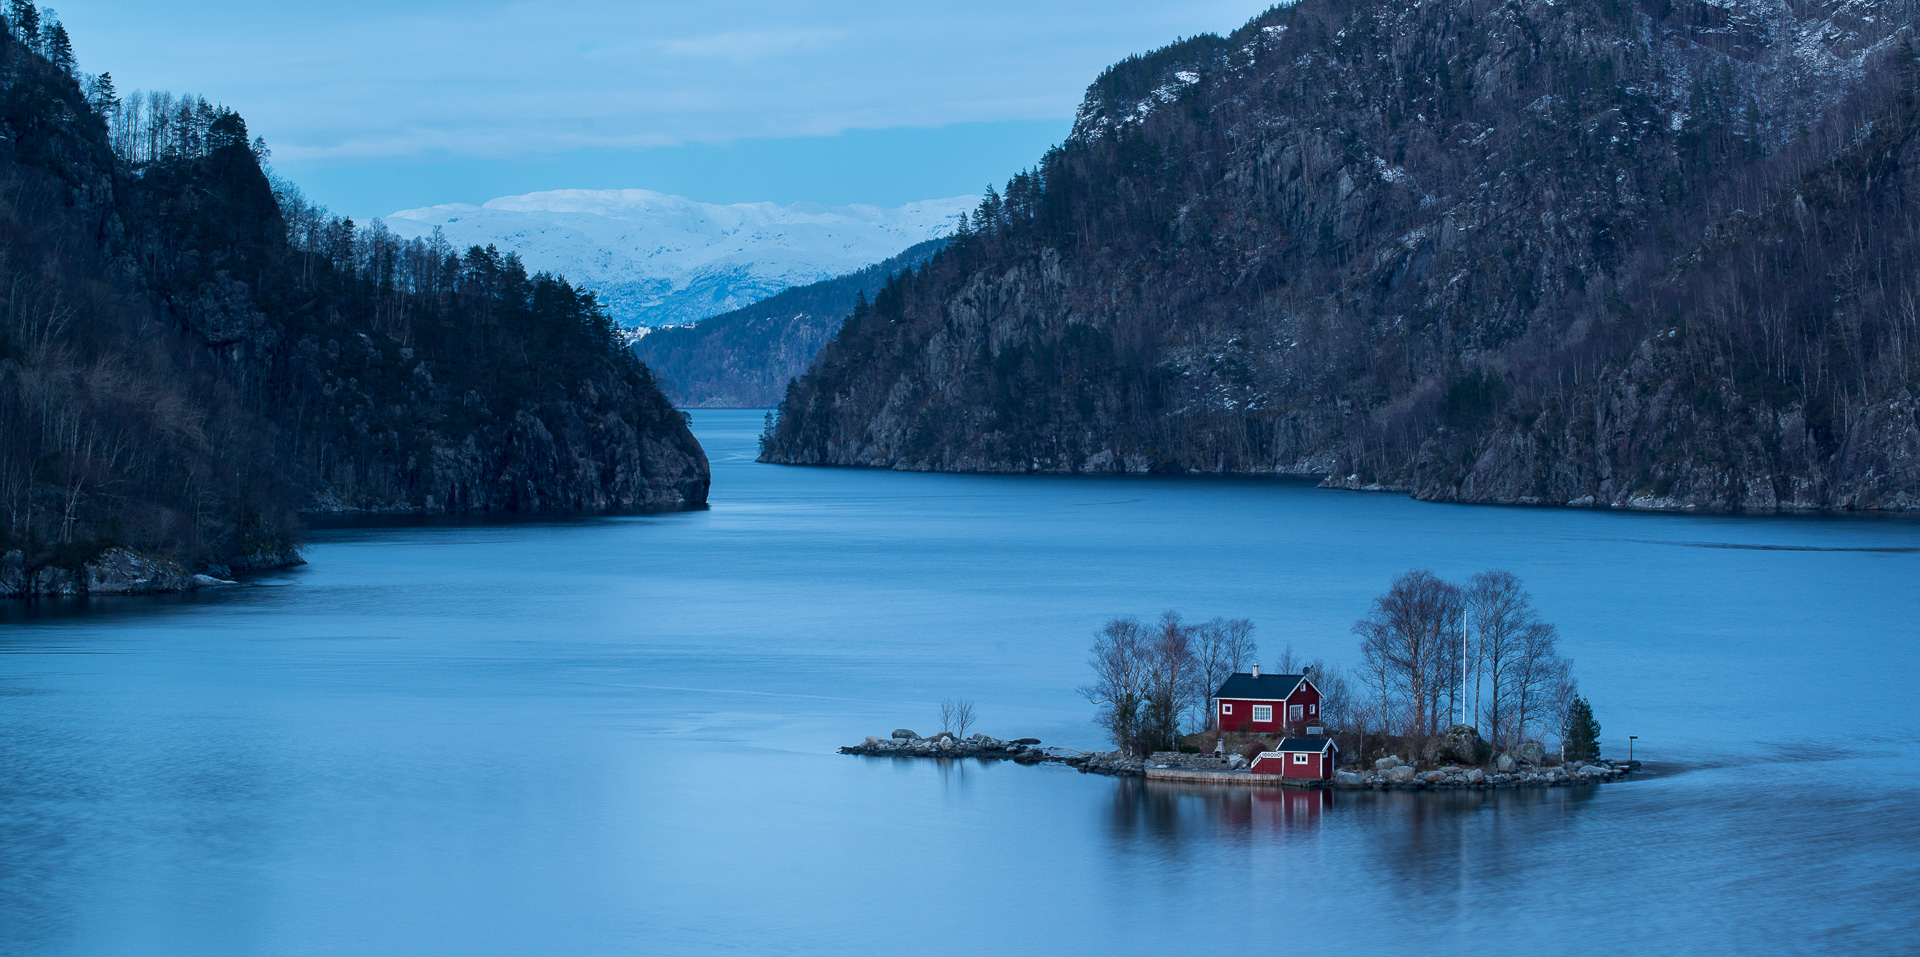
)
(745, 358)
(660, 260)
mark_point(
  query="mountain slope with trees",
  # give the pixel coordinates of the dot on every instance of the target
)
(191, 355)
(1650, 254)
(745, 358)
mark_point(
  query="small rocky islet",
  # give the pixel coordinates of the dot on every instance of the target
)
(903, 743)
(1389, 773)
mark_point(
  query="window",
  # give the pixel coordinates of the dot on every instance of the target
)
(1226, 707)
(1263, 712)
(1310, 709)
(1300, 757)
(1293, 712)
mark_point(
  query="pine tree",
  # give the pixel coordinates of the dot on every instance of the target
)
(60, 48)
(1580, 738)
(101, 95)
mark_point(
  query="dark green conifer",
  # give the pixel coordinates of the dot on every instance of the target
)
(1580, 738)
(60, 48)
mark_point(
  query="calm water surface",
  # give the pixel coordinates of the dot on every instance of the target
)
(615, 736)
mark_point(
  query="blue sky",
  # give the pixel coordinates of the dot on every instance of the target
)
(374, 107)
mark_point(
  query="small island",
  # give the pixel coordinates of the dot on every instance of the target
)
(1441, 662)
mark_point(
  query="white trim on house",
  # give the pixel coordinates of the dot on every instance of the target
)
(1263, 707)
(1296, 712)
(1226, 707)
(1300, 757)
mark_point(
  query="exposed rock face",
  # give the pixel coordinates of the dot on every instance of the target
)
(115, 571)
(1617, 254)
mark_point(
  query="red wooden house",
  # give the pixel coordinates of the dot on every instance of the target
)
(1308, 759)
(1267, 704)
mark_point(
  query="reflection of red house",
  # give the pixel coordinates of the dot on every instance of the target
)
(1265, 704)
(1308, 759)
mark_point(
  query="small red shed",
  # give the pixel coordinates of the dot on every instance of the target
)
(1308, 759)
(1267, 704)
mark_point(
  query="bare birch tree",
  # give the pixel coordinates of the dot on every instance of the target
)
(1171, 667)
(1221, 648)
(1503, 620)
(1119, 688)
(1410, 640)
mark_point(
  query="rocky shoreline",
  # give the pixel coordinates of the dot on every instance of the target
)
(123, 571)
(1394, 774)
(1387, 774)
(906, 744)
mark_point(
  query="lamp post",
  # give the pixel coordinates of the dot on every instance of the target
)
(1630, 739)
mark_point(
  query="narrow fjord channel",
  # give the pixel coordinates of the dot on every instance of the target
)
(616, 736)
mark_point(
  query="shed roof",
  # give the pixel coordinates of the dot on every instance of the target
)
(1247, 687)
(1315, 745)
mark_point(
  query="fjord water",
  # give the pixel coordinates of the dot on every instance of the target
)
(615, 735)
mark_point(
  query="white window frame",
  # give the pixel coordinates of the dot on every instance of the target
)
(1226, 707)
(1294, 712)
(1310, 708)
(1263, 707)
(1300, 757)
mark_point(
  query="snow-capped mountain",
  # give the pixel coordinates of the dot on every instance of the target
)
(660, 260)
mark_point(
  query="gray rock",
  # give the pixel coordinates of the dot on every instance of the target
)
(1387, 763)
(1533, 752)
(1462, 743)
(1236, 762)
(1503, 764)
(905, 734)
(946, 743)
(1400, 774)
(1346, 779)
(1026, 740)
(1476, 776)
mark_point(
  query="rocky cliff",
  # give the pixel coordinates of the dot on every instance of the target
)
(1656, 254)
(745, 358)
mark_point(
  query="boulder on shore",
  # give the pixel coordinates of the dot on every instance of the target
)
(905, 735)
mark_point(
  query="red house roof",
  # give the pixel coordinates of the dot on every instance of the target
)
(1246, 687)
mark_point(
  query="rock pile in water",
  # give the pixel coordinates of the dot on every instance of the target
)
(904, 743)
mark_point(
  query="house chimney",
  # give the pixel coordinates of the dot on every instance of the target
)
(1256, 669)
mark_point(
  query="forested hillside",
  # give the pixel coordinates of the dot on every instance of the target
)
(191, 355)
(1657, 254)
(744, 359)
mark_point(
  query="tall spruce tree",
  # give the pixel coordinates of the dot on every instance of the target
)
(60, 48)
(1580, 738)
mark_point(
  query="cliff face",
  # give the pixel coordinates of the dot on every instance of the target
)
(745, 358)
(190, 356)
(1595, 252)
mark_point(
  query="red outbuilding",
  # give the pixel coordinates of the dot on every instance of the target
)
(1308, 759)
(1267, 704)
